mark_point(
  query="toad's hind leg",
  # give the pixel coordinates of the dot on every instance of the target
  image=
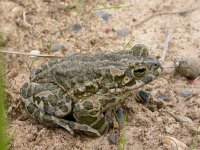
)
(47, 97)
(46, 103)
(54, 121)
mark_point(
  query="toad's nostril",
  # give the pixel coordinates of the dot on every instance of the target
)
(157, 65)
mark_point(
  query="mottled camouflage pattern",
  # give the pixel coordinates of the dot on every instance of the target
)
(86, 87)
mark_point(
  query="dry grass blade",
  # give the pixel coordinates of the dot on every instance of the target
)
(3, 137)
(24, 19)
(28, 54)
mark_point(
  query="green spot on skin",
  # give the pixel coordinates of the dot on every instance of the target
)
(88, 120)
(119, 80)
(25, 91)
(29, 93)
(47, 119)
(78, 93)
(60, 94)
(67, 99)
(31, 108)
(104, 90)
(71, 124)
(38, 89)
(107, 77)
(37, 114)
(88, 105)
(80, 79)
(106, 128)
(111, 85)
(105, 102)
(77, 108)
(72, 84)
(38, 71)
(139, 50)
(91, 89)
(62, 105)
(98, 73)
(52, 99)
(46, 106)
(37, 100)
(99, 124)
(131, 83)
(93, 112)
(25, 85)
(44, 66)
(51, 63)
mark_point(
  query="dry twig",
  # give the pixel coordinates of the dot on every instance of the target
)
(165, 13)
(166, 45)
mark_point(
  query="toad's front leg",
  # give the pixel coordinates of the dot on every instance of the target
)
(92, 110)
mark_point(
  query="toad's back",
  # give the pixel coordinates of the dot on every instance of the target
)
(86, 75)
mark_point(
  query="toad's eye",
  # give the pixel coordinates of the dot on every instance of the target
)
(139, 71)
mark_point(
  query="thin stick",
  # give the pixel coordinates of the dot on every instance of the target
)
(166, 45)
(165, 13)
(113, 7)
(28, 54)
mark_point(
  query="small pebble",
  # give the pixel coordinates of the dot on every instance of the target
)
(145, 96)
(113, 138)
(163, 97)
(169, 130)
(76, 27)
(34, 53)
(104, 15)
(123, 32)
(56, 47)
(31, 137)
(185, 92)
(188, 66)
(107, 30)
(45, 31)
(100, 13)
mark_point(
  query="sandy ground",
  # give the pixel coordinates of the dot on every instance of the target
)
(50, 22)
